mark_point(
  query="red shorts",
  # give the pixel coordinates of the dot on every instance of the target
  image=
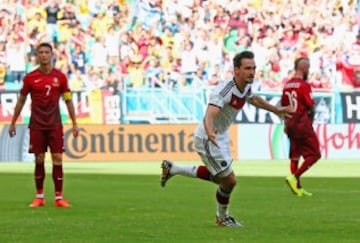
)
(304, 146)
(40, 140)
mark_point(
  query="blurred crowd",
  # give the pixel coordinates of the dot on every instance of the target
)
(179, 44)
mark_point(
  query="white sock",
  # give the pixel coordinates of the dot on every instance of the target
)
(40, 195)
(222, 210)
(186, 170)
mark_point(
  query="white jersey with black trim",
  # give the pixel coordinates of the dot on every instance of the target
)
(230, 100)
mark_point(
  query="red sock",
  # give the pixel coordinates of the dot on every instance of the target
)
(57, 175)
(39, 177)
(203, 173)
(58, 195)
(222, 197)
(293, 168)
(309, 161)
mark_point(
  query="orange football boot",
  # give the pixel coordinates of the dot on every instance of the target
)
(37, 202)
(62, 203)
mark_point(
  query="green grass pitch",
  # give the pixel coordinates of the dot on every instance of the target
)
(123, 202)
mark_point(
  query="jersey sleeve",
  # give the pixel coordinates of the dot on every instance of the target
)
(26, 87)
(64, 88)
(218, 97)
(217, 100)
(307, 95)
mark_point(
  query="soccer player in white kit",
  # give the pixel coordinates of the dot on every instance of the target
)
(211, 138)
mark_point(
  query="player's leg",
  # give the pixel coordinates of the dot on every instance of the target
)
(227, 182)
(294, 156)
(218, 161)
(311, 153)
(56, 144)
(38, 147)
(170, 169)
(294, 165)
(39, 175)
(58, 178)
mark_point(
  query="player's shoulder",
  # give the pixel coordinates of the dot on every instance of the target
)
(224, 87)
(33, 73)
(59, 74)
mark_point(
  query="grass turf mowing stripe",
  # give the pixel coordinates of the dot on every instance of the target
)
(324, 168)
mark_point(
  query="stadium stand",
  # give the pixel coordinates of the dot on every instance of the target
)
(145, 42)
(181, 44)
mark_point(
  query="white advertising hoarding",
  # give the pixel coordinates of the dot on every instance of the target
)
(268, 141)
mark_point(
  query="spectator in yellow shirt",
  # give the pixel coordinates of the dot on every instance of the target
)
(37, 22)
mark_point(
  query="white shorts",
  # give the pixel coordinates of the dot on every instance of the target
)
(217, 159)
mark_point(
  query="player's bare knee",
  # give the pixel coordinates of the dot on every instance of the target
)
(40, 159)
(56, 158)
(230, 183)
(57, 162)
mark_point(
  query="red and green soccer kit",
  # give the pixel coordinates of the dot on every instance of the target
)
(45, 121)
(303, 140)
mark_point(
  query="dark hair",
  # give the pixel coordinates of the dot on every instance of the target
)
(298, 60)
(242, 55)
(45, 44)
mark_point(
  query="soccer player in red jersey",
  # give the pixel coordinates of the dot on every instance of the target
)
(303, 140)
(46, 85)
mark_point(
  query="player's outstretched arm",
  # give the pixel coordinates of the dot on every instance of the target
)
(18, 108)
(283, 112)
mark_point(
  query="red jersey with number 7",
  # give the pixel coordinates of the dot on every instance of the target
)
(297, 93)
(45, 91)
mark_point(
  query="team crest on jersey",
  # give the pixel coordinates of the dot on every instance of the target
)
(55, 82)
(236, 102)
